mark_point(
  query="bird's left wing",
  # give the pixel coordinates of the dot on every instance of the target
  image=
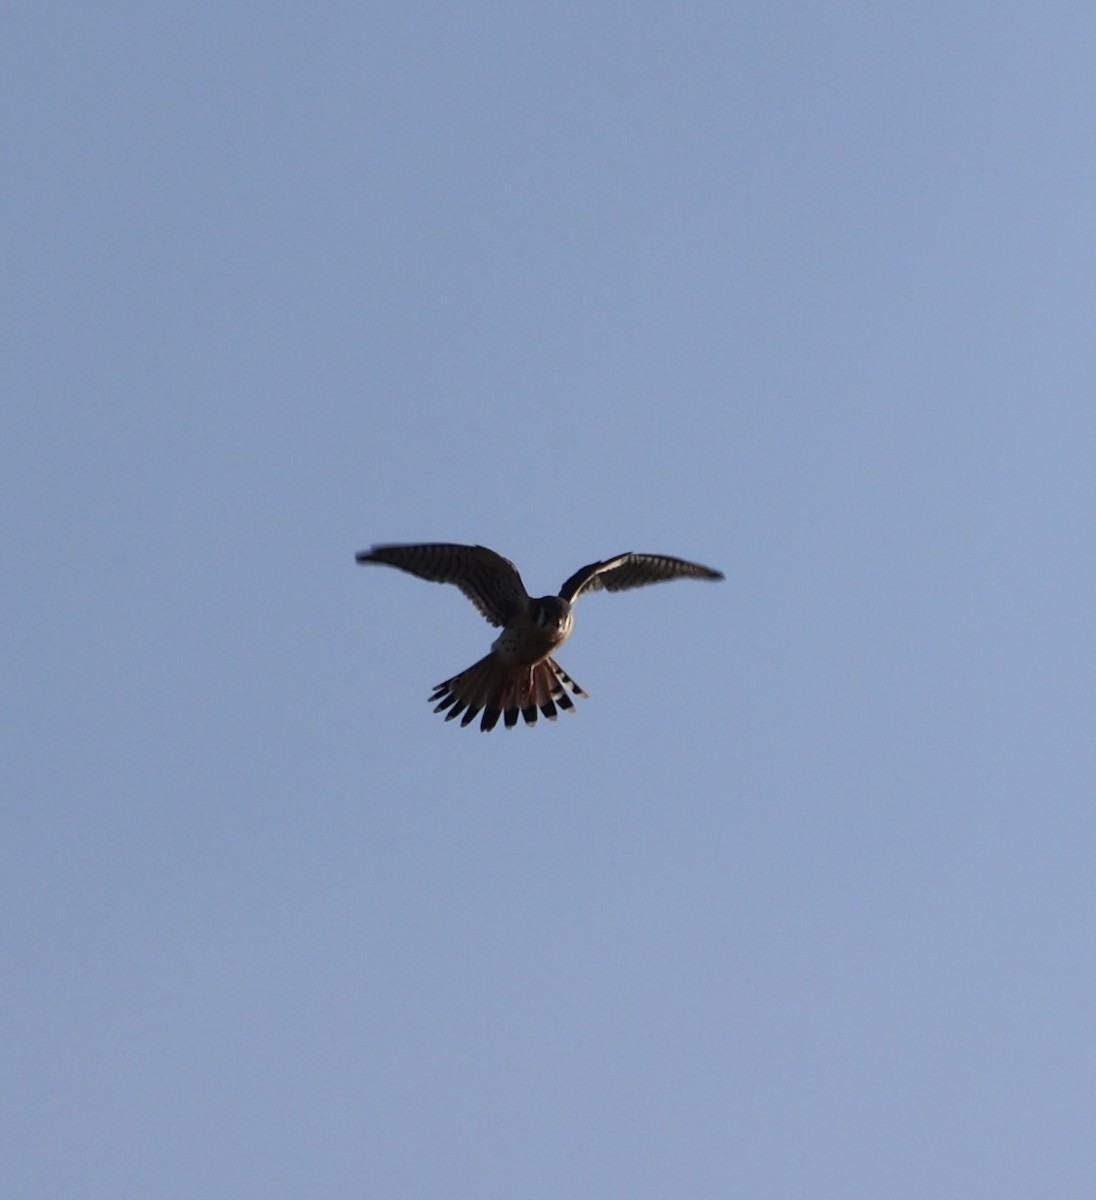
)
(490, 581)
(631, 571)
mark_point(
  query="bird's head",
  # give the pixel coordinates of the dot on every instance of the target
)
(551, 613)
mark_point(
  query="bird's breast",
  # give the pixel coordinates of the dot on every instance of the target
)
(525, 643)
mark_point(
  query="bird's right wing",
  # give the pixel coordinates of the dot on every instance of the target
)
(490, 581)
(631, 571)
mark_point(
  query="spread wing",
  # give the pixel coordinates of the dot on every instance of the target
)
(490, 581)
(631, 571)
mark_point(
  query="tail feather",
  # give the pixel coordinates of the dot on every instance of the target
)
(564, 678)
(500, 690)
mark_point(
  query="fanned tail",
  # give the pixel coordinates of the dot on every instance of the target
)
(503, 690)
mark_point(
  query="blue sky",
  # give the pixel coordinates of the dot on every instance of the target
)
(800, 902)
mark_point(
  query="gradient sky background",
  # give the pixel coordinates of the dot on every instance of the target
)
(800, 902)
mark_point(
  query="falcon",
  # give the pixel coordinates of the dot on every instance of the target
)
(520, 676)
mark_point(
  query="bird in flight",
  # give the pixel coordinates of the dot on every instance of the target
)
(520, 676)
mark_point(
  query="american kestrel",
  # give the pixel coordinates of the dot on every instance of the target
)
(520, 675)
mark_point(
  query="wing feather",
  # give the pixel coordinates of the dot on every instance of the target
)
(631, 571)
(490, 581)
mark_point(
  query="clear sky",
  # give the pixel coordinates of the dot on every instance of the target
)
(800, 903)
